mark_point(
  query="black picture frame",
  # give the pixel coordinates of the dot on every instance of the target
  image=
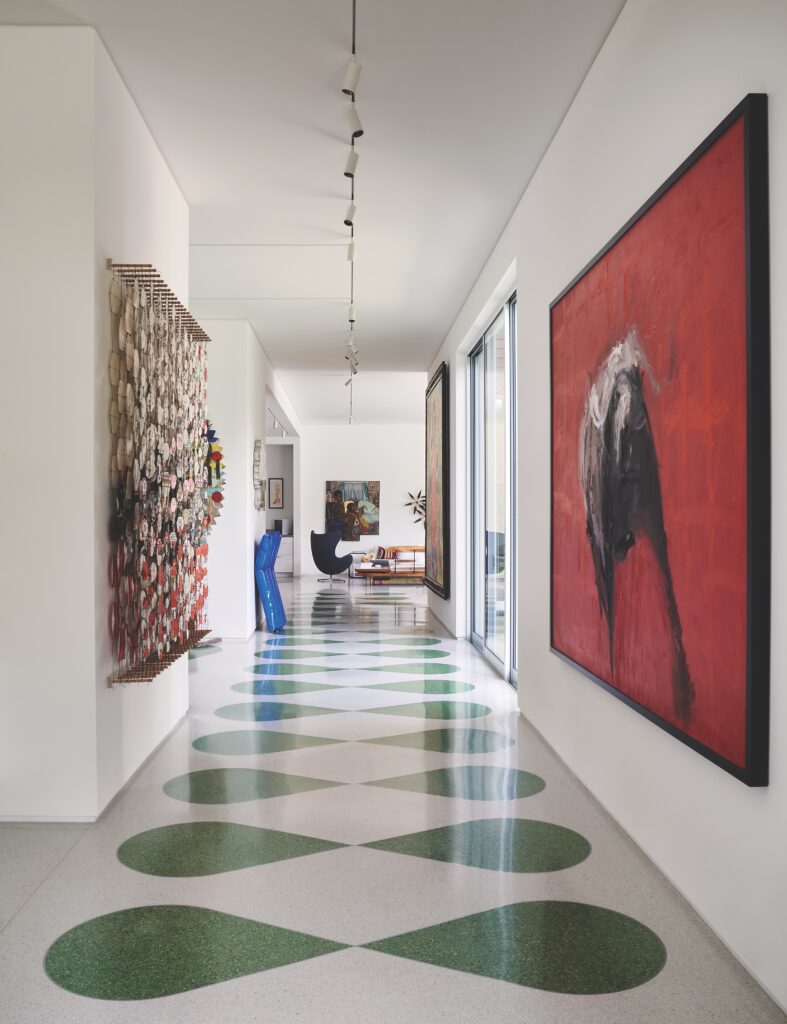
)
(437, 389)
(271, 480)
(753, 109)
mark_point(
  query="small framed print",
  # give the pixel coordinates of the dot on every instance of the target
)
(275, 492)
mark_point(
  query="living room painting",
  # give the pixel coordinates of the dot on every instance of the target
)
(353, 508)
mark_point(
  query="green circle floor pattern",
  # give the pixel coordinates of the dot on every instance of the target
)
(295, 668)
(405, 641)
(422, 686)
(430, 709)
(213, 847)
(288, 669)
(149, 952)
(280, 687)
(496, 844)
(270, 711)
(553, 945)
(468, 782)
(245, 742)
(293, 653)
(238, 785)
(449, 741)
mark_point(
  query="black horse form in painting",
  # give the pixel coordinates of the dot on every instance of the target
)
(619, 473)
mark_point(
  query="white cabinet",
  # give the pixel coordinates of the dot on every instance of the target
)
(284, 559)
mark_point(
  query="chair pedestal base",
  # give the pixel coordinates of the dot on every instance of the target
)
(329, 579)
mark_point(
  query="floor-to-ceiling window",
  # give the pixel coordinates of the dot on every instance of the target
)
(492, 540)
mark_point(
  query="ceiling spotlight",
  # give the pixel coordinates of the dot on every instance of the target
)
(283, 432)
(351, 313)
(352, 163)
(351, 251)
(275, 423)
(348, 382)
(351, 78)
(349, 217)
(356, 128)
(350, 347)
(351, 358)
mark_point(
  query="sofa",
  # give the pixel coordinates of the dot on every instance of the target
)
(398, 563)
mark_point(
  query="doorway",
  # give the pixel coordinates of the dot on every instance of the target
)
(493, 491)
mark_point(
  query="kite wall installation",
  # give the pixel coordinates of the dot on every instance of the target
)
(166, 475)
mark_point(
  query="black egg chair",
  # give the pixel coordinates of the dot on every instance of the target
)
(324, 555)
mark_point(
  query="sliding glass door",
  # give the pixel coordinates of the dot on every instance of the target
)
(492, 491)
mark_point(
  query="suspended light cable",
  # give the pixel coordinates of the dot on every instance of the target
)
(349, 89)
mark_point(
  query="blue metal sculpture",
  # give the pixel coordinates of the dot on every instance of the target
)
(267, 584)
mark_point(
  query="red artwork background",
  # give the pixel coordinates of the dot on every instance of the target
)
(678, 276)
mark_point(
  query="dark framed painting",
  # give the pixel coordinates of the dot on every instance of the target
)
(660, 401)
(438, 479)
(275, 492)
(353, 508)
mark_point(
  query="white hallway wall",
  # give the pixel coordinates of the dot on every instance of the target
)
(240, 378)
(668, 73)
(237, 378)
(47, 716)
(141, 217)
(390, 453)
(68, 742)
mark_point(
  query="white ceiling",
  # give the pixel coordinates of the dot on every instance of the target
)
(459, 99)
(378, 397)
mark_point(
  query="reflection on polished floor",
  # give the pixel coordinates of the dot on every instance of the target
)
(353, 824)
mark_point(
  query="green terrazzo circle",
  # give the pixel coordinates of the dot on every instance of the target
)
(279, 687)
(202, 652)
(408, 652)
(431, 709)
(496, 844)
(256, 741)
(149, 952)
(211, 848)
(449, 741)
(238, 785)
(289, 654)
(422, 686)
(552, 945)
(293, 653)
(424, 668)
(294, 641)
(269, 711)
(468, 782)
(288, 669)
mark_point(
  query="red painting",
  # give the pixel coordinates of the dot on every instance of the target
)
(650, 459)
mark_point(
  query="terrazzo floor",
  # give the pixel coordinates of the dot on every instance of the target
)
(352, 824)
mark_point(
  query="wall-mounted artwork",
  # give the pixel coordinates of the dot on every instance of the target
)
(438, 477)
(214, 475)
(661, 455)
(166, 476)
(276, 492)
(258, 475)
(417, 504)
(353, 507)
